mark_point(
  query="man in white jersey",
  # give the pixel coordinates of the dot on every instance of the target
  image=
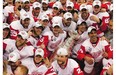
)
(57, 37)
(36, 11)
(45, 23)
(67, 23)
(25, 23)
(19, 45)
(37, 64)
(35, 34)
(103, 16)
(92, 51)
(65, 66)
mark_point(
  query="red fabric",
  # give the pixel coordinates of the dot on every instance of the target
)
(44, 40)
(4, 46)
(109, 50)
(78, 71)
(105, 22)
(51, 4)
(13, 33)
(81, 53)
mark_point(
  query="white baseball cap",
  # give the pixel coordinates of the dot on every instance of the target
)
(97, 3)
(83, 6)
(40, 52)
(37, 24)
(44, 17)
(90, 29)
(24, 16)
(45, 1)
(18, 0)
(25, 1)
(36, 4)
(56, 24)
(23, 34)
(57, 5)
(69, 4)
(62, 51)
(67, 15)
(13, 56)
(6, 25)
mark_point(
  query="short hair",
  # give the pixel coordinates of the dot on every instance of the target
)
(24, 69)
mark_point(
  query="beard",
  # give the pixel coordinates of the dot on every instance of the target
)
(60, 62)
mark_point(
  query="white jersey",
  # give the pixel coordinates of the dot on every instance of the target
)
(8, 9)
(29, 63)
(29, 12)
(33, 41)
(80, 40)
(24, 52)
(47, 12)
(71, 28)
(55, 42)
(34, 69)
(45, 30)
(95, 50)
(16, 26)
(88, 21)
(72, 68)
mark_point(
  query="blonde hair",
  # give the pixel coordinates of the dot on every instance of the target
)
(24, 69)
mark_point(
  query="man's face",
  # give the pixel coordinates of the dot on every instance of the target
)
(26, 6)
(96, 9)
(20, 41)
(84, 13)
(56, 29)
(36, 11)
(26, 22)
(19, 4)
(93, 34)
(55, 10)
(38, 58)
(68, 21)
(82, 27)
(6, 32)
(45, 22)
(69, 8)
(61, 59)
(37, 30)
(44, 6)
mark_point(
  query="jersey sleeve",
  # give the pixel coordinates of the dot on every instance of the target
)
(108, 49)
(81, 53)
(76, 68)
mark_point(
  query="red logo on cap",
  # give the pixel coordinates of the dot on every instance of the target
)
(97, 2)
(11, 56)
(25, 14)
(23, 33)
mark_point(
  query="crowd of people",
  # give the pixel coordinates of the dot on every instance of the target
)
(57, 37)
